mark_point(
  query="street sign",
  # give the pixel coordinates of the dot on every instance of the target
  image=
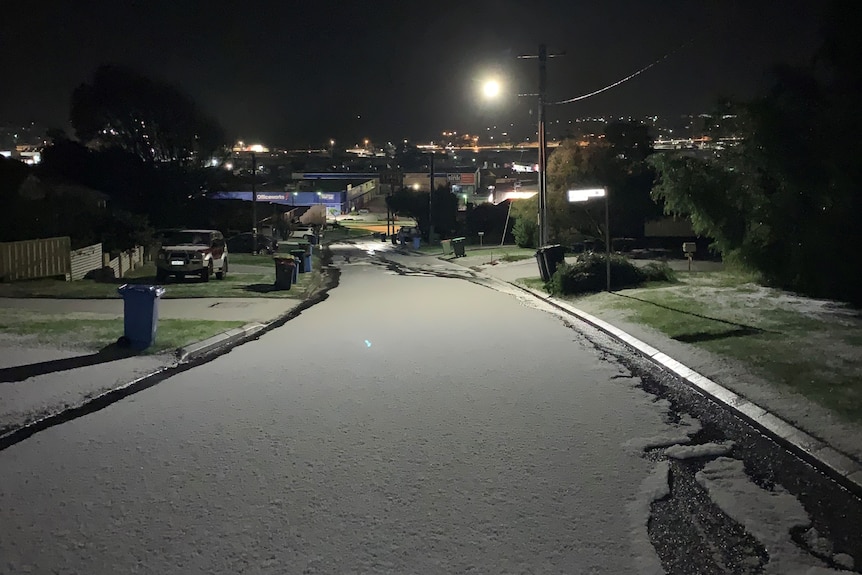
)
(586, 194)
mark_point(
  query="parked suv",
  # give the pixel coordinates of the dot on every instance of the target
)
(192, 252)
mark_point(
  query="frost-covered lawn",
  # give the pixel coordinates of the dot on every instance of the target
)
(255, 281)
(811, 347)
(90, 331)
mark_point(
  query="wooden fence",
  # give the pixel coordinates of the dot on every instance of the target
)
(33, 259)
(86, 260)
(125, 261)
(52, 257)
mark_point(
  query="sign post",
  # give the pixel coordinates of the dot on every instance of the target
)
(585, 195)
(391, 178)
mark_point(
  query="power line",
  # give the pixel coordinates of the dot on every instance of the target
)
(626, 79)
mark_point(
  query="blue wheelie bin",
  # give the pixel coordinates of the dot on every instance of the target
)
(140, 314)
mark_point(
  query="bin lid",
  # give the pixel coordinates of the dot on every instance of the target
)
(155, 291)
(459, 239)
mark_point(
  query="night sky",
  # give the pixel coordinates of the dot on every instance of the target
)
(301, 72)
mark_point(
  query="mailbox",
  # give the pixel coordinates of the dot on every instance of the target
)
(689, 248)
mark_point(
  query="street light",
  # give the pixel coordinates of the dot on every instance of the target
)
(585, 195)
(491, 88)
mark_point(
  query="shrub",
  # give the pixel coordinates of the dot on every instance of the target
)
(658, 272)
(588, 275)
(526, 233)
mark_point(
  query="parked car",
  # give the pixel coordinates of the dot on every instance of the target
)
(244, 244)
(407, 232)
(192, 252)
(304, 232)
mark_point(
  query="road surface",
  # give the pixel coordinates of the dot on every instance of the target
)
(416, 421)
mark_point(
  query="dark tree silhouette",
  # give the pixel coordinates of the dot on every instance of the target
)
(785, 202)
(150, 119)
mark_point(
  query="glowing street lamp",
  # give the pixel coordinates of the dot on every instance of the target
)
(585, 195)
(491, 88)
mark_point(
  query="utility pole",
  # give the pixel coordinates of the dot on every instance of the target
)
(542, 215)
(608, 240)
(543, 148)
(430, 199)
(253, 198)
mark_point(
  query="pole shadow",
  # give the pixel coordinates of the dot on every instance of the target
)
(739, 329)
(713, 335)
(109, 353)
(264, 288)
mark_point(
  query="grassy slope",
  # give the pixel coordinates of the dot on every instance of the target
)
(807, 346)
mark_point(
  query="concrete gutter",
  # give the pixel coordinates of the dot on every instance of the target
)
(230, 337)
(844, 469)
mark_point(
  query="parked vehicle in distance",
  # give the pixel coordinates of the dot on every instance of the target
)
(407, 232)
(305, 233)
(244, 244)
(192, 252)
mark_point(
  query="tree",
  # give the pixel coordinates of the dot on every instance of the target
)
(526, 226)
(153, 120)
(444, 208)
(785, 201)
(415, 205)
(487, 218)
(160, 191)
(13, 216)
(617, 164)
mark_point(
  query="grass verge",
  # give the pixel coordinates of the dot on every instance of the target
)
(487, 255)
(88, 332)
(259, 284)
(802, 345)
